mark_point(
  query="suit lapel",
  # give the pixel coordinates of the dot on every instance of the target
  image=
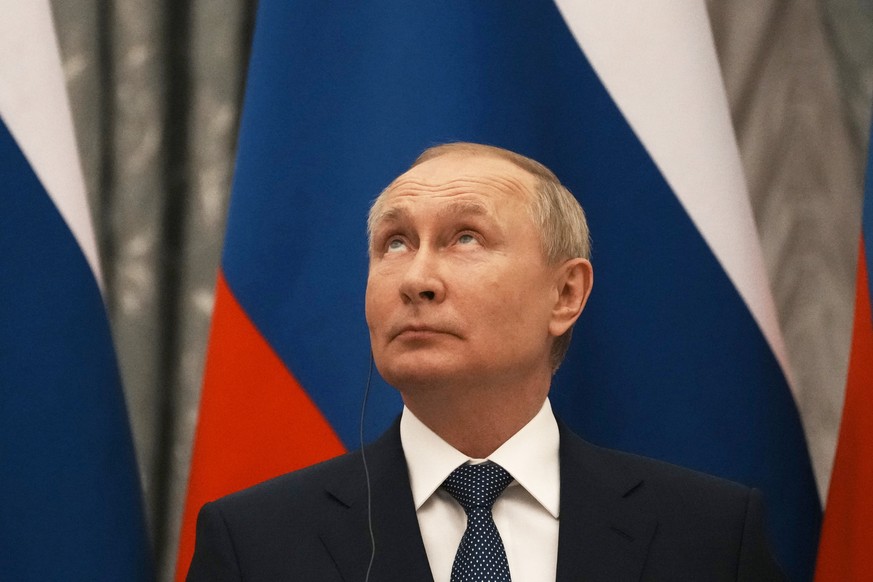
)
(400, 553)
(601, 536)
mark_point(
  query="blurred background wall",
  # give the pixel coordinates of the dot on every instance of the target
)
(156, 89)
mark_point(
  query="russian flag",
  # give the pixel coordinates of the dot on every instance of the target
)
(678, 354)
(70, 503)
(847, 532)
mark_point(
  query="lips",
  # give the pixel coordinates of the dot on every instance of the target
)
(418, 331)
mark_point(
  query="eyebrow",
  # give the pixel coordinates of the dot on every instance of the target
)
(454, 209)
(460, 208)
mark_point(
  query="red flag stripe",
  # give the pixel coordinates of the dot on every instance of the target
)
(256, 421)
(847, 533)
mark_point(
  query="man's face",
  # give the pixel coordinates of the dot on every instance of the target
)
(459, 290)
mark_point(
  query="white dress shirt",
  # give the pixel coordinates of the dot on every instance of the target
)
(526, 514)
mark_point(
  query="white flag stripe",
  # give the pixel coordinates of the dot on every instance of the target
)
(658, 62)
(35, 109)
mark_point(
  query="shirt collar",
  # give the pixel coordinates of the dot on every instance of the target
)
(530, 456)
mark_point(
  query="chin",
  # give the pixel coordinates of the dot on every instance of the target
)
(418, 375)
(413, 380)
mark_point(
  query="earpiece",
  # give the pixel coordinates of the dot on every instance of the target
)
(367, 471)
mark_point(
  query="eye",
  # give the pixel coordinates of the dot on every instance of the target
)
(395, 245)
(465, 238)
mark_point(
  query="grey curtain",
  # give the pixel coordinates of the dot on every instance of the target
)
(798, 76)
(156, 90)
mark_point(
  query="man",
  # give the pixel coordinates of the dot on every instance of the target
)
(478, 271)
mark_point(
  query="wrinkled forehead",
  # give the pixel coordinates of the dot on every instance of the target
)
(455, 176)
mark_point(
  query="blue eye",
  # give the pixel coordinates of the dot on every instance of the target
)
(466, 239)
(395, 245)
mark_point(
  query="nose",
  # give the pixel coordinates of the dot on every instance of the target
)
(422, 281)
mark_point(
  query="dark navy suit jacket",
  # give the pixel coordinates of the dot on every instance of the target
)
(623, 518)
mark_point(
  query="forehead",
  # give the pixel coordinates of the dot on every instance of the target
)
(459, 175)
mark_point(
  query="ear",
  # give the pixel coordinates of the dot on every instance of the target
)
(574, 280)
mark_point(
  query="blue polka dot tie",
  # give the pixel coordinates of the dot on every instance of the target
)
(481, 555)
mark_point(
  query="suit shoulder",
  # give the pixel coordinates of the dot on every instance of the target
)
(253, 531)
(658, 485)
(710, 527)
(294, 490)
(671, 477)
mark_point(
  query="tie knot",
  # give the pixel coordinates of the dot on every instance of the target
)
(477, 485)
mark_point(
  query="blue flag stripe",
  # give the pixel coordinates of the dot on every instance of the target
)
(69, 495)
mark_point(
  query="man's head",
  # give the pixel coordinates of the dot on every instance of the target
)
(478, 265)
(556, 212)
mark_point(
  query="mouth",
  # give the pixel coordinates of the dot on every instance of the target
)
(418, 332)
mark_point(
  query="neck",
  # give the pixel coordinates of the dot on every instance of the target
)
(475, 422)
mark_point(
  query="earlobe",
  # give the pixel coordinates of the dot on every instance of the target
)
(573, 286)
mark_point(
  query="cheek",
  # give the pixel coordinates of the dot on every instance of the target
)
(499, 308)
(521, 306)
(379, 299)
(371, 303)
